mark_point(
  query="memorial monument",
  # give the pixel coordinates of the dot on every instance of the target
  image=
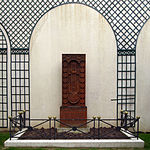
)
(73, 89)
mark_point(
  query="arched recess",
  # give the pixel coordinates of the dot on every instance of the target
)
(73, 28)
(143, 76)
(4, 47)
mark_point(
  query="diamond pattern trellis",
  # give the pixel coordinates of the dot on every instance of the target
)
(3, 43)
(126, 18)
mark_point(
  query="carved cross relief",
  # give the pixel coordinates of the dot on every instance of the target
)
(73, 88)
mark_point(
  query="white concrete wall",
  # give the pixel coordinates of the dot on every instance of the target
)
(73, 29)
(143, 77)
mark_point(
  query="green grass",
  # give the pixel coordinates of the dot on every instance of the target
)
(13, 148)
(146, 138)
(5, 135)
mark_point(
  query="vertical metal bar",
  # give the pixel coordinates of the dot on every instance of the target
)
(126, 115)
(2, 92)
(117, 84)
(135, 88)
(99, 127)
(126, 84)
(20, 118)
(2, 83)
(50, 127)
(131, 82)
(11, 82)
(24, 86)
(15, 88)
(138, 118)
(122, 89)
(1, 104)
(54, 127)
(24, 118)
(10, 124)
(129, 101)
(20, 80)
(94, 127)
(2, 88)
(130, 70)
(29, 82)
(121, 117)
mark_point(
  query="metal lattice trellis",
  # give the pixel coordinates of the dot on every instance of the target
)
(20, 85)
(126, 17)
(3, 81)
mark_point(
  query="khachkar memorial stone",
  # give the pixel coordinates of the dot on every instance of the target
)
(73, 89)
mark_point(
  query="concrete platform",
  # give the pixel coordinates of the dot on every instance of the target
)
(76, 143)
(101, 143)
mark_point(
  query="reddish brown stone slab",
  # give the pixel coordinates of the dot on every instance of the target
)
(68, 113)
(73, 87)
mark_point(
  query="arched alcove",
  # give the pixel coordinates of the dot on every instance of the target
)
(75, 29)
(143, 77)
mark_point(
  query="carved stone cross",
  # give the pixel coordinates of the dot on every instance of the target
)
(73, 89)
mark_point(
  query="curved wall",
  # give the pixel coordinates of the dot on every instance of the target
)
(73, 29)
(143, 77)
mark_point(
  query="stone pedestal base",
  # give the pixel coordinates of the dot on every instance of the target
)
(73, 115)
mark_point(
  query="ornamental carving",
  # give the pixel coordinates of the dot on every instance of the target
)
(73, 79)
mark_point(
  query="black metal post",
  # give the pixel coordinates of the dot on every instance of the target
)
(126, 115)
(121, 117)
(99, 127)
(20, 118)
(50, 126)
(24, 118)
(54, 127)
(10, 119)
(138, 118)
(94, 126)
